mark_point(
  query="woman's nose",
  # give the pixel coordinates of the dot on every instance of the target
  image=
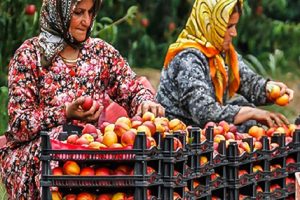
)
(87, 19)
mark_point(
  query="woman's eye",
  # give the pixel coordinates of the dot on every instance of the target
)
(77, 12)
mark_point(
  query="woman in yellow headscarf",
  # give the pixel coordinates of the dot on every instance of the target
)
(202, 72)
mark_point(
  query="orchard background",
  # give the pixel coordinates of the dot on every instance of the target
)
(142, 30)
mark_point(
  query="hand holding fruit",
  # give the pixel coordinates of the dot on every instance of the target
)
(279, 93)
(151, 106)
(84, 108)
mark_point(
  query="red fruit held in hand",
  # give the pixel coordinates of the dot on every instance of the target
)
(87, 104)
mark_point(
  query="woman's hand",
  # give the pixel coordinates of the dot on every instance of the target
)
(265, 117)
(283, 89)
(74, 111)
(151, 106)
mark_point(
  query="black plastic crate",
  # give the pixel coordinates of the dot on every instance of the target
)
(169, 189)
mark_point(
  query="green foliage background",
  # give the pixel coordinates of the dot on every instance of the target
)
(269, 33)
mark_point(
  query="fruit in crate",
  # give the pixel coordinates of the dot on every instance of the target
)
(119, 196)
(121, 128)
(274, 187)
(125, 120)
(257, 168)
(290, 160)
(176, 125)
(151, 125)
(218, 130)
(145, 129)
(85, 139)
(256, 132)
(96, 145)
(128, 138)
(57, 171)
(56, 195)
(102, 171)
(109, 127)
(242, 172)
(72, 139)
(125, 169)
(116, 145)
(177, 144)
(176, 196)
(215, 198)
(195, 184)
(203, 160)
(85, 196)
(71, 168)
(213, 124)
(104, 197)
(109, 138)
(273, 146)
(275, 167)
(225, 126)
(87, 171)
(148, 116)
(288, 140)
(257, 145)
(214, 176)
(229, 135)
(245, 146)
(89, 128)
(70, 197)
(150, 142)
(219, 138)
(290, 181)
(259, 189)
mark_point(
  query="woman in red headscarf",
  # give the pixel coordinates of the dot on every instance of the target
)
(48, 77)
(203, 73)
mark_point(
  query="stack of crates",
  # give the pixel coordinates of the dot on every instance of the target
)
(138, 185)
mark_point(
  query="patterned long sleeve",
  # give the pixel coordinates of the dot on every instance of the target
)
(253, 86)
(27, 114)
(187, 92)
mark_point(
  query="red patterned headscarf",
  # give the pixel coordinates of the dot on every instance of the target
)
(54, 24)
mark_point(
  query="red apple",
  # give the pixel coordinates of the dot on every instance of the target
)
(72, 139)
(89, 128)
(85, 196)
(104, 197)
(274, 187)
(87, 103)
(290, 160)
(70, 197)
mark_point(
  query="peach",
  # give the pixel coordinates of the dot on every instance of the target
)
(257, 145)
(70, 197)
(177, 144)
(124, 168)
(273, 91)
(116, 145)
(104, 197)
(274, 167)
(144, 129)
(151, 126)
(128, 138)
(218, 138)
(85, 139)
(290, 160)
(232, 128)
(242, 172)
(241, 150)
(87, 171)
(176, 196)
(280, 130)
(57, 171)
(274, 187)
(176, 125)
(160, 128)
(119, 196)
(99, 138)
(125, 120)
(203, 160)
(257, 168)
(109, 138)
(87, 103)
(290, 181)
(148, 116)
(150, 142)
(245, 146)
(121, 128)
(214, 176)
(103, 125)
(292, 128)
(218, 130)
(72, 139)
(135, 124)
(273, 145)
(213, 124)
(109, 128)
(89, 128)
(259, 189)
(150, 170)
(256, 132)
(95, 145)
(56, 195)
(215, 198)
(202, 138)
(102, 171)
(85, 196)
(229, 135)
(283, 100)
(225, 125)
(270, 131)
(71, 168)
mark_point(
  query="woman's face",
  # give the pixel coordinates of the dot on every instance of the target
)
(231, 30)
(81, 20)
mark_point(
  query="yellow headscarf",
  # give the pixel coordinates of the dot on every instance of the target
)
(205, 30)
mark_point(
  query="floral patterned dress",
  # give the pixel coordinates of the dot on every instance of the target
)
(37, 97)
